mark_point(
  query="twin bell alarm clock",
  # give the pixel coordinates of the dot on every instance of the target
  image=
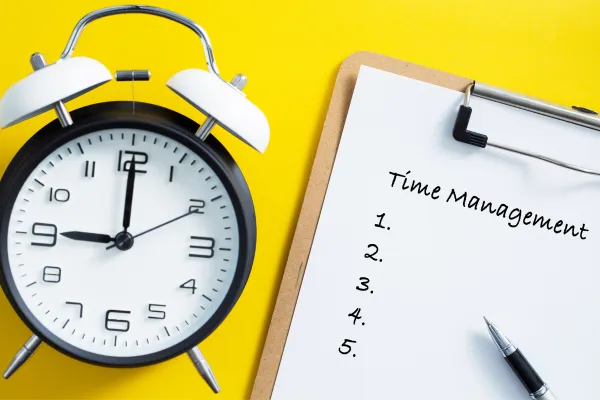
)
(127, 231)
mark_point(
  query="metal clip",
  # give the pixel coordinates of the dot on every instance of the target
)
(462, 134)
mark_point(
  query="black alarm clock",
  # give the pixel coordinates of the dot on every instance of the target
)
(127, 231)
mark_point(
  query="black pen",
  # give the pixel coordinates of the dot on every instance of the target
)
(536, 387)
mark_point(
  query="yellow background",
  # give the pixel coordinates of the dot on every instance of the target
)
(291, 52)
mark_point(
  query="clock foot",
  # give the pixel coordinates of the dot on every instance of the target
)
(204, 369)
(22, 355)
(239, 82)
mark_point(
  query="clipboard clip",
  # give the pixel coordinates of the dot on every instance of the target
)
(578, 115)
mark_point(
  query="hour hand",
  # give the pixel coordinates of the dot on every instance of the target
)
(88, 237)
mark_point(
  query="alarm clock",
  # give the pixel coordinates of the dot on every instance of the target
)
(127, 231)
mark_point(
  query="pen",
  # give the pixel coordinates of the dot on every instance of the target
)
(536, 387)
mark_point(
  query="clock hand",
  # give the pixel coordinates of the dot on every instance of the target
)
(129, 195)
(195, 211)
(88, 237)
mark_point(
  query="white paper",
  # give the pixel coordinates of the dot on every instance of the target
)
(445, 266)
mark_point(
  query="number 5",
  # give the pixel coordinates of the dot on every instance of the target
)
(346, 346)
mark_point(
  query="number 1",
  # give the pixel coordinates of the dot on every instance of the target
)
(380, 223)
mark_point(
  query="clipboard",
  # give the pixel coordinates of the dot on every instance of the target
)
(323, 165)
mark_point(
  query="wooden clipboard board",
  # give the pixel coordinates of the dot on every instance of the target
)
(315, 196)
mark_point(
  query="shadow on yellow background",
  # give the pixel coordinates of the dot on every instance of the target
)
(290, 52)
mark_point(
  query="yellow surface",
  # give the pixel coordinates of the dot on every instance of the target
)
(291, 52)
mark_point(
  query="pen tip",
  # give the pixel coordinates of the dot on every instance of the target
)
(486, 321)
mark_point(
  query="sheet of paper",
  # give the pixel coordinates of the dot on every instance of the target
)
(402, 271)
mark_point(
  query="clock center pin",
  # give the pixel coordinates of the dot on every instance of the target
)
(124, 241)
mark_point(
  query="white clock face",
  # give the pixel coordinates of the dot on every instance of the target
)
(130, 301)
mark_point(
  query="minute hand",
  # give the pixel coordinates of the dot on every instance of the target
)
(161, 225)
(129, 196)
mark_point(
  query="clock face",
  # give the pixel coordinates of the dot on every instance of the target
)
(114, 292)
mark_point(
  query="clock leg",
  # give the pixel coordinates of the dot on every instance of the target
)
(38, 62)
(239, 82)
(203, 368)
(22, 355)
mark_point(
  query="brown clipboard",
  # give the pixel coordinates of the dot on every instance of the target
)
(315, 195)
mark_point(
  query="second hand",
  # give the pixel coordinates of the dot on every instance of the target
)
(160, 226)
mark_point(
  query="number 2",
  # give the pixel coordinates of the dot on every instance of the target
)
(197, 206)
(372, 255)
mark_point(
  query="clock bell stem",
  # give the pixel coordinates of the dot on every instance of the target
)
(204, 369)
(239, 82)
(38, 62)
(22, 355)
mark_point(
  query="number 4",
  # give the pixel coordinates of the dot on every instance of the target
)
(356, 315)
(192, 285)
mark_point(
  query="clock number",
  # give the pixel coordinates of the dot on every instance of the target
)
(345, 348)
(41, 229)
(197, 206)
(60, 195)
(158, 314)
(90, 169)
(116, 325)
(72, 303)
(192, 285)
(206, 245)
(137, 157)
(51, 274)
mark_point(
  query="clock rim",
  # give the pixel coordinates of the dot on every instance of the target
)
(158, 120)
